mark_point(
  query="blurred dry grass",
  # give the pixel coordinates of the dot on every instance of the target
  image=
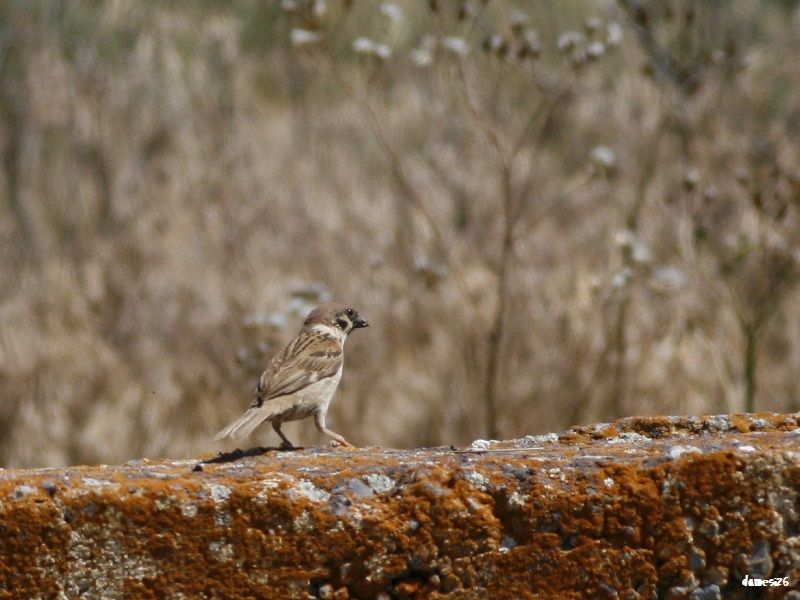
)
(589, 213)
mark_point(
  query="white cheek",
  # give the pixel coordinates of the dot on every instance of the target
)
(333, 332)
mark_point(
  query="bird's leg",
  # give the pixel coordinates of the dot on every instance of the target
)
(286, 445)
(319, 420)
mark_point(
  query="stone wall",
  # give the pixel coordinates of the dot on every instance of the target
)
(657, 507)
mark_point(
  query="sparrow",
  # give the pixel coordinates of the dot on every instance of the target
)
(301, 379)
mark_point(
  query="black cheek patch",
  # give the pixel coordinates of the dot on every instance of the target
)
(341, 323)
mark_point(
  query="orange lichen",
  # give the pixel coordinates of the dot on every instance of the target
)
(659, 506)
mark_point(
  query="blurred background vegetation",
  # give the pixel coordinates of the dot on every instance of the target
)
(551, 212)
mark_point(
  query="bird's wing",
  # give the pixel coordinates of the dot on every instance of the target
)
(306, 360)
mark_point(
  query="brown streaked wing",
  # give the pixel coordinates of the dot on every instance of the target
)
(306, 360)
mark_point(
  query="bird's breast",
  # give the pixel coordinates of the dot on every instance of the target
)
(313, 398)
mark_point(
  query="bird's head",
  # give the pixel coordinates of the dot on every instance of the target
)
(337, 315)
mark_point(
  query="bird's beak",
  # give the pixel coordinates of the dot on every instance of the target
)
(360, 322)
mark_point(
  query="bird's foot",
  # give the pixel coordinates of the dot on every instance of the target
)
(343, 444)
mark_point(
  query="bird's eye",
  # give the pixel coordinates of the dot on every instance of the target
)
(349, 312)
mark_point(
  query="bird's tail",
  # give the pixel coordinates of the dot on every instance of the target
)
(244, 425)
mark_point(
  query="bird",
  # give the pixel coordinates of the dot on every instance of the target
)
(301, 379)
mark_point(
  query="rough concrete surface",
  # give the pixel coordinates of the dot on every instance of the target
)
(652, 507)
